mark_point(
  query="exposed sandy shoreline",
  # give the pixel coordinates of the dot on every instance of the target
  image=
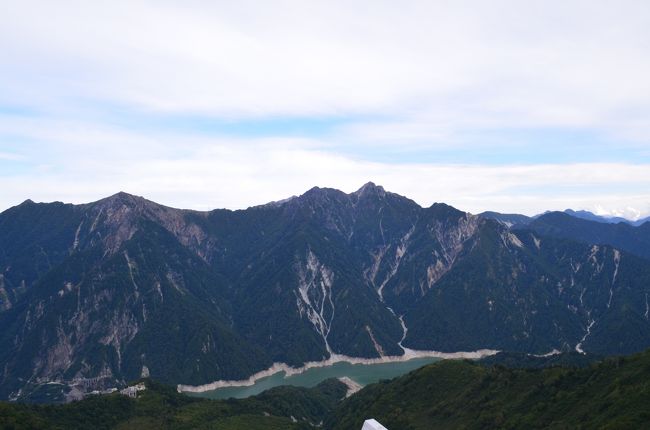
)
(353, 386)
(409, 354)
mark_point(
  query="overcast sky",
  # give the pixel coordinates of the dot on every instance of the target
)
(502, 105)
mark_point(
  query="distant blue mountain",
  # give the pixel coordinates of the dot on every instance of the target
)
(623, 235)
(508, 220)
(641, 221)
(511, 220)
(590, 216)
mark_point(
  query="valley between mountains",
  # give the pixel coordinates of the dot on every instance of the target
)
(98, 294)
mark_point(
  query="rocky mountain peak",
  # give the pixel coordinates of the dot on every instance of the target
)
(444, 211)
(121, 199)
(370, 188)
(322, 196)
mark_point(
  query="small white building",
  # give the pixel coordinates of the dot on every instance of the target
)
(132, 391)
(372, 424)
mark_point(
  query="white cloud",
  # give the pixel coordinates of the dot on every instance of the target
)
(10, 156)
(558, 63)
(417, 74)
(208, 173)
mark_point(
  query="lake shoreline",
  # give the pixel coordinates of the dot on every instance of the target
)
(409, 354)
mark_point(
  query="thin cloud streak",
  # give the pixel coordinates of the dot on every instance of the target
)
(497, 62)
(8, 156)
(237, 173)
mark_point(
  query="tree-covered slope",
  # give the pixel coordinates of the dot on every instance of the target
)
(461, 394)
(520, 291)
(160, 407)
(95, 321)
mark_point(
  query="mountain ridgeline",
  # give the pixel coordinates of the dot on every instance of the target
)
(97, 294)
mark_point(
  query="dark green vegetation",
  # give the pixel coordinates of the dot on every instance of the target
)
(160, 407)
(530, 293)
(97, 294)
(613, 394)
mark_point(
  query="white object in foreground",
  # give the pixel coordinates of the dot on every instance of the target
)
(372, 424)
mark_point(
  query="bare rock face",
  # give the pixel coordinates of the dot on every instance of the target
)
(94, 295)
(314, 295)
(451, 236)
(116, 219)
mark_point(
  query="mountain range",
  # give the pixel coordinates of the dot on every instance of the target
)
(97, 294)
(519, 219)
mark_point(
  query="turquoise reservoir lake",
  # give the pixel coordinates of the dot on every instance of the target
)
(363, 374)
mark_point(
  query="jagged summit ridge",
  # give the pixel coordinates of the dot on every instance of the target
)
(370, 187)
(108, 288)
(121, 197)
(133, 201)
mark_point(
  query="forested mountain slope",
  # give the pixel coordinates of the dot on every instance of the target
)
(461, 394)
(97, 294)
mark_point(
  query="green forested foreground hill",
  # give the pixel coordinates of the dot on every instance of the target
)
(161, 407)
(612, 394)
